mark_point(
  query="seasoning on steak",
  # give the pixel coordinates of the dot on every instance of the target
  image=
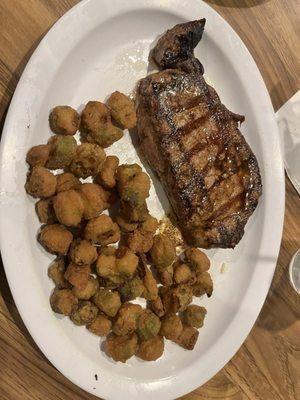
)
(193, 143)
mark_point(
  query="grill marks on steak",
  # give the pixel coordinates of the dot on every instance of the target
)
(193, 143)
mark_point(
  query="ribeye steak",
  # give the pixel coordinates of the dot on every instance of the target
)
(193, 143)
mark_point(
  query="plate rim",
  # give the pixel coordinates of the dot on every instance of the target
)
(193, 383)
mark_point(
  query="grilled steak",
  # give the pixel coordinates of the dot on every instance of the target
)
(193, 143)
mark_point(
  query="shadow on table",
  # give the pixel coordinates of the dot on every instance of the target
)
(4, 105)
(13, 81)
(237, 3)
(282, 306)
(10, 304)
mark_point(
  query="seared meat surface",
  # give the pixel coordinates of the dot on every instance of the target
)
(177, 45)
(193, 143)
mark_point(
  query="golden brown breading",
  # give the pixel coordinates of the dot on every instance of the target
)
(40, 183)
(122, 110)
(55, 238)
(64, 120)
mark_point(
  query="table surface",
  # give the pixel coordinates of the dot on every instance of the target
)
(267, 366)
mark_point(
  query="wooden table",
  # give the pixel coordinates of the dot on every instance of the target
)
(268, 364)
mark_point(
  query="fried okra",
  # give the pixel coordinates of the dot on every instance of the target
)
(101, 302)
(134, 214)
(112, 283)
(151, 349)
(67, 181)
(182, 273)
(88, 160)
(38, 155)
(83, 252)
(55, 238)
(121, 348)
(131, 289)
(165, 295)
(85, 313)
(95, 199)
(132, 219)
(107, 250)
(102, 230)
(127, 172)
(127, 318)
(63, 301)
(106, 268)
(125, 225)
(107, 174)
(139, 241)
(126, 262)
(64, 120)
(63, 150)
(157, 306)
(198, 260)
(163, 251)
(150, 224)
(56, 272)
(88, 291)
(45, 211)
(194, 316)
(122, 110)
(182, 296)
(165, 275)
(100, 326)
(150, 284)
(171, 326)
(40, 183)
(78, 275)
(108, 302)
(204, 284)
(133, 184)
(176, 298)
(148, 325)
(96, 125)
(188, 337)
(68, 207)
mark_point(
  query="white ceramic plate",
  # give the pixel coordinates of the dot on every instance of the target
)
(96, 48)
